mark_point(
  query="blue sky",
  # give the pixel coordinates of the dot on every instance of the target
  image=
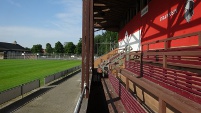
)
(31, 22)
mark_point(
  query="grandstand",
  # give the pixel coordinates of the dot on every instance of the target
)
(157, 65)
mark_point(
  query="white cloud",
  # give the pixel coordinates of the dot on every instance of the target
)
(14, 3)
(28, 36)
(10, 31)
(61, 15)
(67, 26)
(71, 16)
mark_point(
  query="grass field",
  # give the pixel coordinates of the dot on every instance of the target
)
(17, 72)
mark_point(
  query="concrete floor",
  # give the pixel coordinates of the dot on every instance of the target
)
(103, 99)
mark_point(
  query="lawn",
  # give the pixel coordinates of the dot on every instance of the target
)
(17, 72)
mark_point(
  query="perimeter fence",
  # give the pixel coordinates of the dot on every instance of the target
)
(57, 56)
(23, 89)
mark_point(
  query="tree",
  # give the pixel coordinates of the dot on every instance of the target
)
(37, 48)
(58, 47)
(104, 42)
(49, 48)
(27, 49)
(78, 49)
(70, 48)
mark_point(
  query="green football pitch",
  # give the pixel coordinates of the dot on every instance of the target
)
(17, 72)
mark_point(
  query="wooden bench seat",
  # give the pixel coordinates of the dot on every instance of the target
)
(185, 83)
(181, 103)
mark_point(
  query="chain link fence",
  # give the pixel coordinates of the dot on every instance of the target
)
(59, 56)
(18, 55)
(14, 55)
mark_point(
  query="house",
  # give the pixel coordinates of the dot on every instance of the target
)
(11, 50)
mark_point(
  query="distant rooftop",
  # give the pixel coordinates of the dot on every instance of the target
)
(11, 47)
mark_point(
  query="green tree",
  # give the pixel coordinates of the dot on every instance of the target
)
(27, 49)
(37, 48)
(78, 49)
(49, 48)
(58, 48)
(104, 42)
(70, 48)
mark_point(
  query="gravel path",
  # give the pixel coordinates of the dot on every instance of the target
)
(60, 99)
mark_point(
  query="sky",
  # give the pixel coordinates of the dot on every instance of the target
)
(31, 22)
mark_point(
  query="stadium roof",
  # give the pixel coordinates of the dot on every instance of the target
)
(108, 14)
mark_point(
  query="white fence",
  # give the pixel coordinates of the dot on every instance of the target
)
(13, 55)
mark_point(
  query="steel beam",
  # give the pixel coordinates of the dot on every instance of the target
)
(83, 43)
(99, 5)
(85, 46)
(87, 43)
(91, 35)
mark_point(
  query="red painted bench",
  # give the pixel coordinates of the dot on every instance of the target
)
(184, 83)
(129, 102)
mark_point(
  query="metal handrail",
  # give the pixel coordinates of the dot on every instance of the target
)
(79, 103)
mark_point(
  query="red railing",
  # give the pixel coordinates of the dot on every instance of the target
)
(185, 83)
(182, 57)
(167, 40)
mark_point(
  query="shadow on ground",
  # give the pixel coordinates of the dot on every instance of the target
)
(97, 101)
(20, 103)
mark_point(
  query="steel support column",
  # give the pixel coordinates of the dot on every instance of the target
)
(91, 31)
(83, 43)
(91, 64)
(87, 52)
(86, 45)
